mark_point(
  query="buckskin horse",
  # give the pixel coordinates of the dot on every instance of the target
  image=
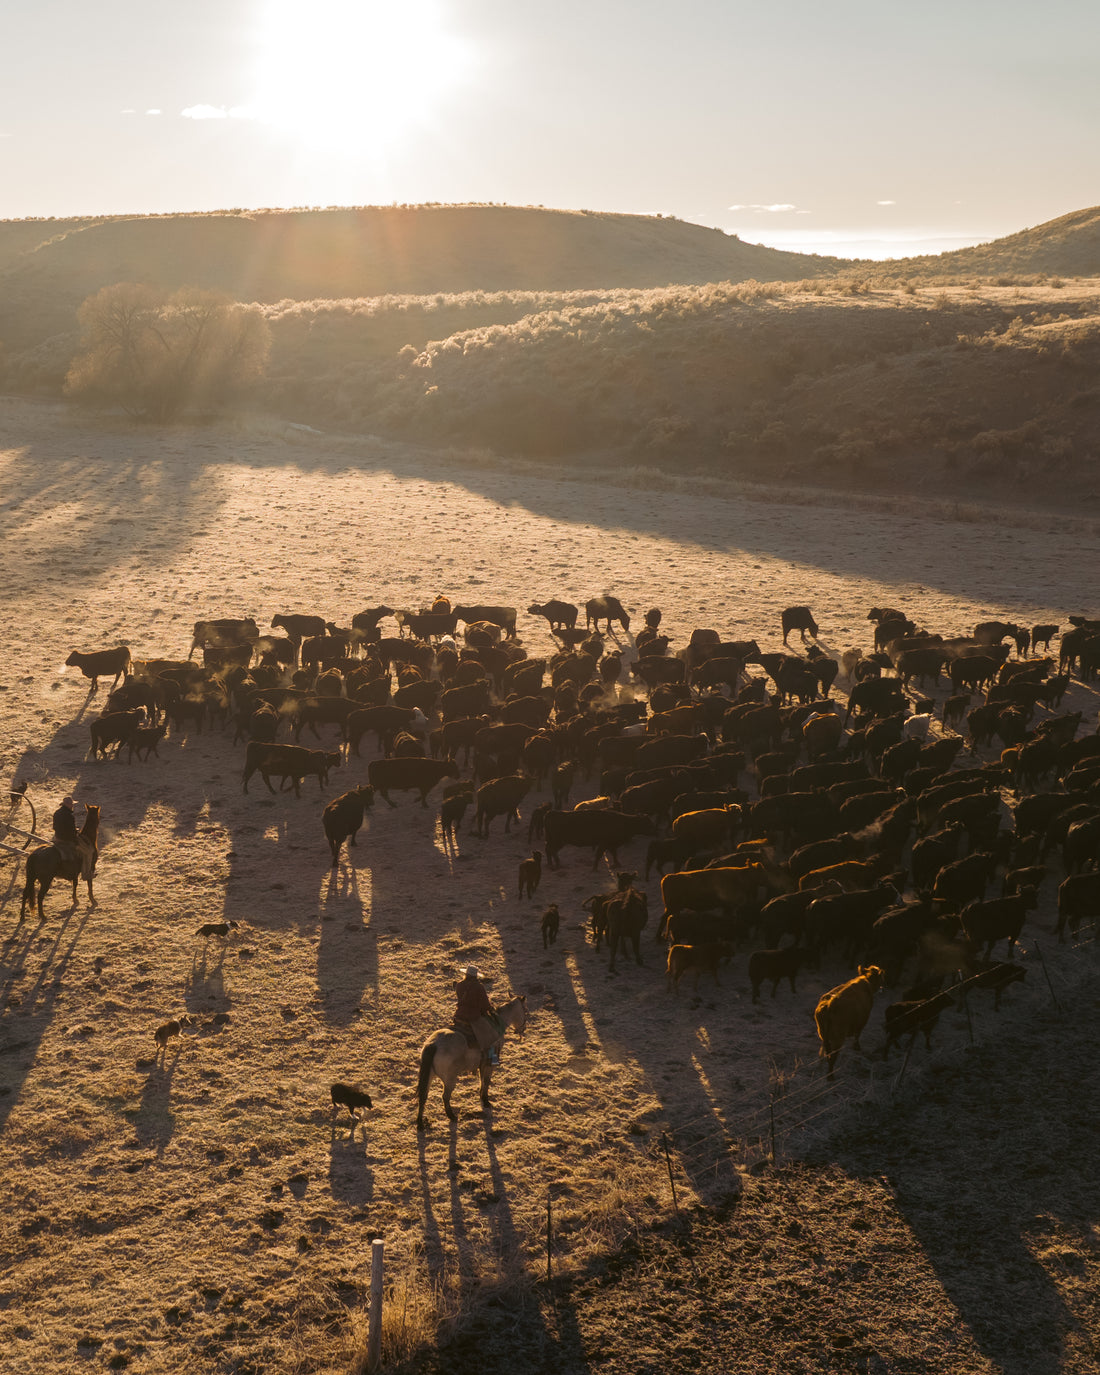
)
(46, 864)
(447, 1055)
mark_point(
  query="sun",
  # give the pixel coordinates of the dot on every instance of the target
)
(348, 76)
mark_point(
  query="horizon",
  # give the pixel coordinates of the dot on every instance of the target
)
(831, 244)
(848, 133)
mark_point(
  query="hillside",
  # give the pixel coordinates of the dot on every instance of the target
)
(1068, 247)
(370, 251)
(834, 384)
(551, 335)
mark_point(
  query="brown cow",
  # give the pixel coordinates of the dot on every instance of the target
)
(844, 1010)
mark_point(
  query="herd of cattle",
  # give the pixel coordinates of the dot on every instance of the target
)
(781, 815)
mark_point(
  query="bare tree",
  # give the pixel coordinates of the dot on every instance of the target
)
(158, 355)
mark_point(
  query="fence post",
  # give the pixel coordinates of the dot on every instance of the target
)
(374, 1330)
(668, 1162)
(1046, 975)
(905, 1063)
(548, 1232)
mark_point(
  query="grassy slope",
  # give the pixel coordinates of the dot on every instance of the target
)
(1069, 245)
(553, 334)
(304, 255)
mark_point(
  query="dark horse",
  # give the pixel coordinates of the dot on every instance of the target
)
(448, 1055)
(46, 863)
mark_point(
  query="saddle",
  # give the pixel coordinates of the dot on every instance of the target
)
(467, 1031)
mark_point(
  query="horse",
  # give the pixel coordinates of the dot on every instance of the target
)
(447, 1055)
(45, 864)
(626, 913)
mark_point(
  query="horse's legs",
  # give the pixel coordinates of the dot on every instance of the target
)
(448, 1088)
(486, 1075)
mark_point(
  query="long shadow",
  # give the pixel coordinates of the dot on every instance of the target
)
(29, 1009)
(994, 1173)
(597, 1010)
(153, 1120)
(140, 495)
(159, 487)
(349, 1174)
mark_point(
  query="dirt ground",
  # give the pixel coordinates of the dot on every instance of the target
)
(202, 1210)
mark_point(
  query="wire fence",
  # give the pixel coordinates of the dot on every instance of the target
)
(802, 1095)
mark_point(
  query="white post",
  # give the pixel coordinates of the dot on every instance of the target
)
(374, 1332)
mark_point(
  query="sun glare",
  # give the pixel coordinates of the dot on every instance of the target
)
(353, 75)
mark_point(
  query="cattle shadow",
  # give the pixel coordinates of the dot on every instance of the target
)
(350, 1176)
(153, 1120)
(205, 990)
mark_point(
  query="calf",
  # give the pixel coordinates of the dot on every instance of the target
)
(352, 1098)
(452, 811)
(551, 919)
(903, 1018)
(343, 817)
(777, 965)
(530, 871)
(681, 958)
(996, 976)
(145, 738)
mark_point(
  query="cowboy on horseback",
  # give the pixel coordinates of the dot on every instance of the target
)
(475, 1016)
(73, 847)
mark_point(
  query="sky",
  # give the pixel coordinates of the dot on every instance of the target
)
(863, 128)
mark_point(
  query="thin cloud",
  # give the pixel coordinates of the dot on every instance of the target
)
(154, 112)
(217, 112)
(886, 202)
(770, 209)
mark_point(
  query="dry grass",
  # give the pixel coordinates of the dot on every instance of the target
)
(206, 1213)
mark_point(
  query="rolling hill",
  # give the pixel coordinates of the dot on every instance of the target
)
(48, 267)
(1065, 247)
(553, 335)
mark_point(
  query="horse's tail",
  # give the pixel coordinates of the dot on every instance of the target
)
(28, 887)
(427, 1060)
